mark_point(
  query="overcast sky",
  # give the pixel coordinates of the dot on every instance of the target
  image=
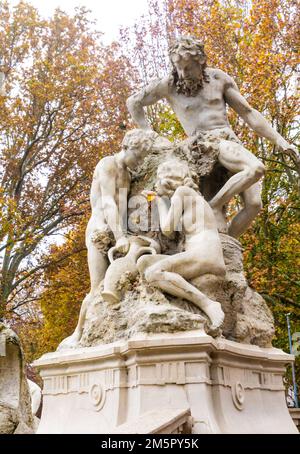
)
(110, 14)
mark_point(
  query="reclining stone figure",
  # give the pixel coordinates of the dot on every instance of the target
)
(202, 250)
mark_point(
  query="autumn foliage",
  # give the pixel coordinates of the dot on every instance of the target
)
(65, 108)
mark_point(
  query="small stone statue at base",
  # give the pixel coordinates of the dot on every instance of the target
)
(16, 415)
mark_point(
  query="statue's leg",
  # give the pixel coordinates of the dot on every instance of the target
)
(167, 276)
(246, 167)
(98, 264)
(252, 206)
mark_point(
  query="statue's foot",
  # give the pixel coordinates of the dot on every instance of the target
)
(70, 342)
(214, 311)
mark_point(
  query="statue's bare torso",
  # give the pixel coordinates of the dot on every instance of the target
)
(206, 110)
(107, 170)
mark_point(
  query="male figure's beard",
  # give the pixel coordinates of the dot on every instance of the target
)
(189, 87)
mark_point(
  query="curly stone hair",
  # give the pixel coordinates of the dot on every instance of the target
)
(139, 138)
(177, 169)
(188, 45)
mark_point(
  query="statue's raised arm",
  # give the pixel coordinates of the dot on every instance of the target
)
(152, 93)
(251, 116)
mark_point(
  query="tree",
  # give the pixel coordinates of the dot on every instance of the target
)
(63, 109)
(65, 284)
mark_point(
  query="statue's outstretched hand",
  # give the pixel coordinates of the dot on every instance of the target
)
(289, 150)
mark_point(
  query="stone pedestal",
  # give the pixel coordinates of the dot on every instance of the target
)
(223, 387)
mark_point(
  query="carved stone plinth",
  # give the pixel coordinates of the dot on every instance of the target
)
(225, 386)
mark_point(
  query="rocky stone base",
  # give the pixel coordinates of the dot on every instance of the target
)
(226, 387)
(144, 309)
(247, 316)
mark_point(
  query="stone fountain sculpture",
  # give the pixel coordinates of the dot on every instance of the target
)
(170, 321)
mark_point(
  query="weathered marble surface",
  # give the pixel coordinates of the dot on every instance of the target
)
(15, 401)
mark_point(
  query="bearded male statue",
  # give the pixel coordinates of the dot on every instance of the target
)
(199, 94)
